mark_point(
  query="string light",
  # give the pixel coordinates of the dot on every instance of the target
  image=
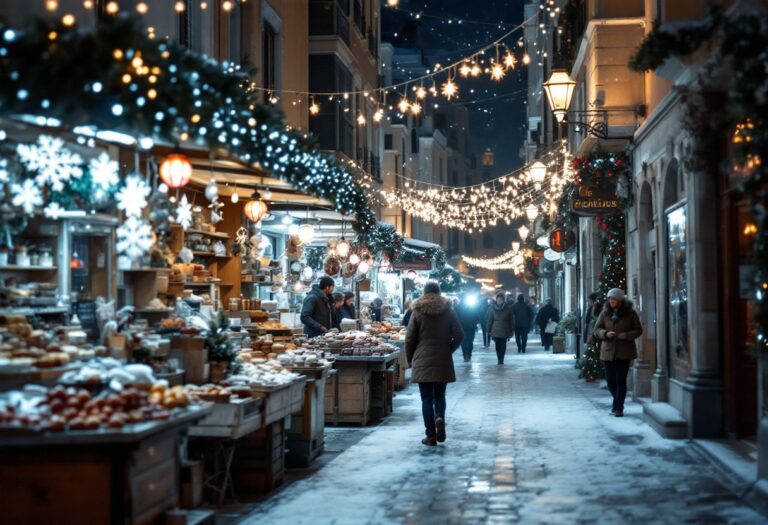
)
(314, 108)
(227, 5)
(510, 60)
(526, 59)
(180, 6)
(51, 5)
(112, 8)
(142, 8)
(449, 89)
(68, 20)
(421, 93)
(403, 105)
(378, 115)
(361, 119)
(497, 72)
(415, 108)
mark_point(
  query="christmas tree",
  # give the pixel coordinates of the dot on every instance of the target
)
(219, 345)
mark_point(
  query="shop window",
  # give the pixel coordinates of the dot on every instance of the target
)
(677, 285)
(388, 141)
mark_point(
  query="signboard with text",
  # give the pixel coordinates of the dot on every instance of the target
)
(594, 201)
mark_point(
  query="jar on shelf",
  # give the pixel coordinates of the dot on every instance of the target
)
(22, 256)
(46, 256)
(34, 259)
(4, 256)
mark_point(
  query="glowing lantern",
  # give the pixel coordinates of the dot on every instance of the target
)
(255, 209)
(306, 233)
(176, 170)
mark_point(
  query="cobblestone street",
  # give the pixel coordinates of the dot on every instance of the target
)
(527, 443)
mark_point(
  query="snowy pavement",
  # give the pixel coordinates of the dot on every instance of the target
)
(527, 443)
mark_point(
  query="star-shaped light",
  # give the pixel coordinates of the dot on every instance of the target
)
(378, 115)
(415, 108)
(132, 198)
(184, 212)
(421, 93)
(476, 69)
(497, 72)
(450, 89)
(510, 60)
(465, 70)
(403, 105)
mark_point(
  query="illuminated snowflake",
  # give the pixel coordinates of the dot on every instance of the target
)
(4, 175)
(134, 237)
(54, 211)
(184, 212)
(104, 172)
(27, 195)
(132, 198)
(54, 164)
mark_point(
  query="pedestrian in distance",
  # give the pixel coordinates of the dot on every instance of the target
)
(348, 308)
(487, 307)
(547, 313)
(434, 333)
(523, 321)
(594, 307)
(468, 311)
(501, 325)
(376, 310)
(535, 309)
(617, 327)
(316, 311)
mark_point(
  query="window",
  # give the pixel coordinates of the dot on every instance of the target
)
(487, 241)
(269, 55)
(388, 141)
(414, 142)
(333, 126)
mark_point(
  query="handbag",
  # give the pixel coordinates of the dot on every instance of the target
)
(551, 327)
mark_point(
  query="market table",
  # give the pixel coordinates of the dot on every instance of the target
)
(125, 476)
(365, 387)
(306, 437)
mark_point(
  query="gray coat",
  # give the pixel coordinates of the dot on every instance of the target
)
(501, 321)
(434, 332)
(316, 312)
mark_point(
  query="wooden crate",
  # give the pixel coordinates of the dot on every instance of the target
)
(231, 420)
(281, 402)
(354, 396)
(258, 465)
(331, 398)
(306, 437)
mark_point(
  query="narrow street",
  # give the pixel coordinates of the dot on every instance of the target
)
(527, 443)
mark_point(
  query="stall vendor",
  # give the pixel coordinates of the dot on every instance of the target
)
(348, 308)
(317, 311)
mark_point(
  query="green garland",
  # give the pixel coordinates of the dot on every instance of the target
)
(729, 123)
(383, 240)
(449, 279)
(169, 94)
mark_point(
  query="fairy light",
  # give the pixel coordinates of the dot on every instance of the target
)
(403, 105)
(497, 72)
(314, 108)
(378, 115)
(112, 8)
(68, 20)
(180, 6)
(88, 4)
(142, 8)
(51, 5)
(465, 70)
(415, 108)
(510, 60)
(476, 69)
(421, 93)
(227, 5)
(526, 59)
(361, 119)
(449, 89)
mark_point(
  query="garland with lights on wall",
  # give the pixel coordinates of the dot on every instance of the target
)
(727, 116)
(116, 78)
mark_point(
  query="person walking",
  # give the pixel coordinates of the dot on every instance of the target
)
(347, 309)
(523, 320)
(434, 333)
(547, 313)
(501, 325)
(487, 307)
(617, 327)
(535, 309)
(316, 312)
(469, 315)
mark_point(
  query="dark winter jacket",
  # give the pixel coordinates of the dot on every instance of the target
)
(626, 323)
(347, 312)
(316, 312)
(501, 321)
(523, 315)
(546, 313)
(407, 317)
(434, 332)
(469, 316)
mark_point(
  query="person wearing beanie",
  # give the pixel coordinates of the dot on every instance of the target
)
(616, 328)
(433, 334)
(501, 325)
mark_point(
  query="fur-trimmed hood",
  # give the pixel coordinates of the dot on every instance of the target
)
(625, 306)
(432, 304)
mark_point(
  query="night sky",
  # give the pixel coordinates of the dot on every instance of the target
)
(449, 30)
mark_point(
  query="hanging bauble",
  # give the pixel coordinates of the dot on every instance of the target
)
(354, 259)
(331, 266)
(363, 267)
(306, 233)
(176, 170)
(343, 248)
(348, 270)
(212, 190)
(307, 273)
(255, 209)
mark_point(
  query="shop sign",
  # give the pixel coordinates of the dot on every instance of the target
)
(594, 201)
(561, 240)
(419, 264)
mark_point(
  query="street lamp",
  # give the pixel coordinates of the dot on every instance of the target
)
(559, 88)
(538, 171)
(515, 246)
(532, 212)
(523, 231)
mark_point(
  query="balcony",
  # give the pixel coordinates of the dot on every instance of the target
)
(328, 18)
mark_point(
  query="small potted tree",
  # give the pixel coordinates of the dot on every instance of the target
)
(568, 327)
(221, 352)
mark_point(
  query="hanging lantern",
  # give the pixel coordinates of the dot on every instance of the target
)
(363, 268)
(176, 170)
(354, 259)
(523, 231)
(538, 171)
(306, 233)
(516, 246)
(532, 212)
(343, 248)
(255, 209)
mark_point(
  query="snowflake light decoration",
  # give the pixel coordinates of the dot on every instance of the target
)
(134, 237)
(4, 175)
(184, 212)
(27, 195)
(54, 164)
(132, 198)
(54, 211)
(104, 172)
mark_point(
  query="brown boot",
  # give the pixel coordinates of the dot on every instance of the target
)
(429, 441)
(440, 427)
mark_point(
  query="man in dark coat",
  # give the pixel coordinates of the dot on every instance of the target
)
(523, 319)
(547, 313)
(501, 325)
(433, 334)
(469, 315)
(316, 312)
